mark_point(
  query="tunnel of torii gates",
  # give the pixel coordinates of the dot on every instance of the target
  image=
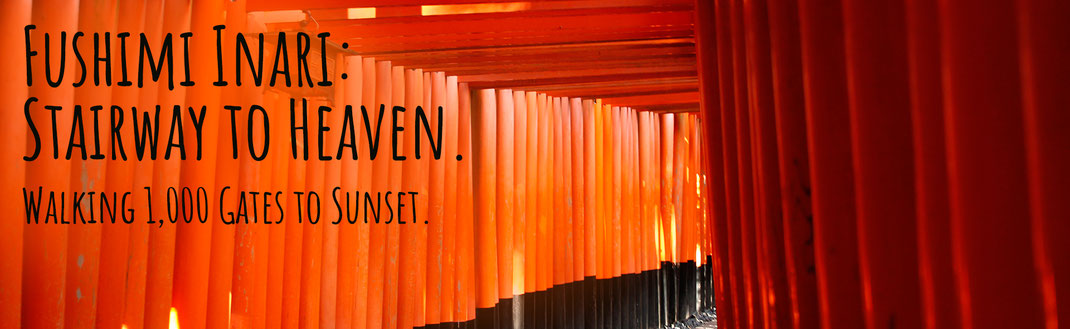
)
(626, 164)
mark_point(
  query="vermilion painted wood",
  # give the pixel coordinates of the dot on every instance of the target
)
(234, 276)
(379, 182)
(193, 256)
(575, 131)
(937, 278)
(127, 304)
(512, 24)
(740, 311)
(535, 83)
(284, 5)
(161, 255)
(558, 228)
(767, 181)
(364, 183)
(755, 294)
(421, 81)
(564, 118)
(520, 204)
(835, 234)
(615, 206)
(436, 224)
(230, 244)
(987, 148)
(312, 233)
(84, 241)
(627, 218)
(878, 83)
(439, 174)
(16, 16)
(484, 141)
(349, 237)
(262, 241)
(44, 279)
(505, 191)
(706, 46)
(280, 232)
(291, 278)
(477, 17)
(526, 64)
(491, 40)
(466, 226)
(393, 230)
(668, 186)
(1042, 50)
(647, 200)
(593, 225)
(410, 257)
(633, 49)
(793, 162)
(136, 303)
(655, 99)
(450, 132)
(601, 193)
(406, 10)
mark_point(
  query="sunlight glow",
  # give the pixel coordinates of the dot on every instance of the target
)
(360, 13)
(476, 8)
(174, 319)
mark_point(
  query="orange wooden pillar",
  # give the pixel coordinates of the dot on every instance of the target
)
(545, 215)
(940, 305)
(520, 205)
(380, 181)
(136, 303)
(647, 210)
(526, 227)
(393, 232)
(768, 215)
(349, 234)
(410, 261)
(987, 147)
(194, 243)
(586, 115)
(484, 143)
(739, 310)
(16, 16)
(881, 128)
(229, 244)
(365, 172)
(235, 283)
(568, 238)
(440, 267)
(667, 143)
(84, 241)
(295, 226)
(793, 162)
(436, 226)
(600, 216)
(45, 246)
(280, 169)
(560, 215)
(450, 119)
(123, 246)
(313, 221)
(505, 193)
(466, 257)
(579, 212)
(449, 273)
(754, 295)
(616, 222)
(835, 234)
(1041, 52)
